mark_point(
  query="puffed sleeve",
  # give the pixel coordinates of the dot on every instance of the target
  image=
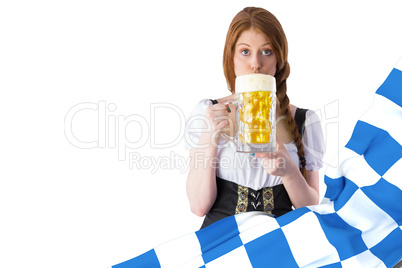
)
(313, 141)
(196, 123)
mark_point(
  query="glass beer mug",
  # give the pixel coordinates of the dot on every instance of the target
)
(255, 102)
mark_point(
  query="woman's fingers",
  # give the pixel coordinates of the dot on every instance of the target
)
(275, 163)
(266, 155)
(218, 115)
(222, 124)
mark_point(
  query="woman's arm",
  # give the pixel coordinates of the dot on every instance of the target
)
(201, 180)
(302, 191)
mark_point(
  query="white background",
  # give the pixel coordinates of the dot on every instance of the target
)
(65, 206)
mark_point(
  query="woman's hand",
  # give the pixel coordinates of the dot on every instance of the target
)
(278, 163)
(302, 191)
(218, 117)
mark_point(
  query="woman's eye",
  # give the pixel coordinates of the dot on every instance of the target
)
(266, 52)
(245, 52)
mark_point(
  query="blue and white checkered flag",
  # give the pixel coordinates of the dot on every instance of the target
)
(358, 224)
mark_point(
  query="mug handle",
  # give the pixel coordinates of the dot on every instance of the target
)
(223, 135)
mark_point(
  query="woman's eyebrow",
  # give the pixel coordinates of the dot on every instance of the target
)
(245, 44)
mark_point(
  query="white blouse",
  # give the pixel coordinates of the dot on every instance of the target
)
(243, 168)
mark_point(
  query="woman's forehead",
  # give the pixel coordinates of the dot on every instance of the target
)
(252, 36)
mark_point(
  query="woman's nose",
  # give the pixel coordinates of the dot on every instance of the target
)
(255, 64)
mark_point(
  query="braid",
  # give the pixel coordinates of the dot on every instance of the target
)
(281, 77)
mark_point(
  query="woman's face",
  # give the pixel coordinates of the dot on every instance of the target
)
(253, 54)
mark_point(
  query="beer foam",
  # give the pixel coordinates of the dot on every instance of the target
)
(255, 82)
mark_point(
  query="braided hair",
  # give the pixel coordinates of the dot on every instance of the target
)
(284, 106)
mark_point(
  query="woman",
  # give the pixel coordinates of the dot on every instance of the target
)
(222, 182)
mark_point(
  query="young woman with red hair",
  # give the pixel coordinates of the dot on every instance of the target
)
(222, 182)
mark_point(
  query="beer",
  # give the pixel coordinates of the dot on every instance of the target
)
(255, 100)
(254, 114)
